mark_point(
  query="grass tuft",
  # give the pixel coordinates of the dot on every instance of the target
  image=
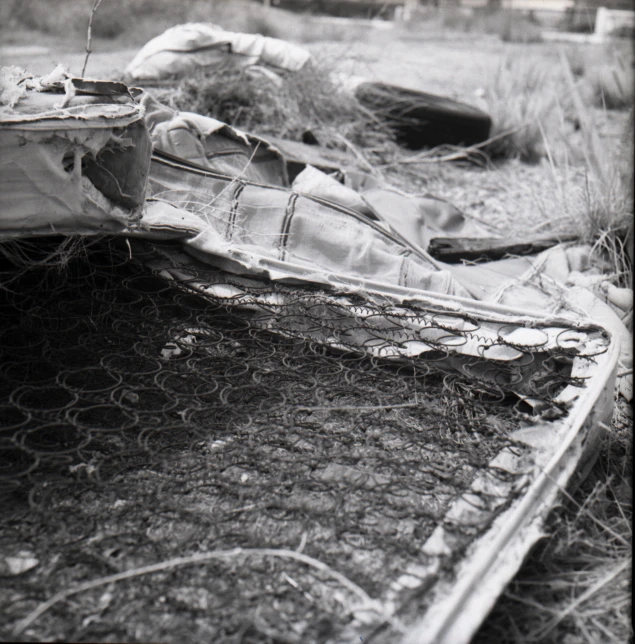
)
(53, 253)
(521, 99)
(607, 206)
(604, 73)
(611, 86)
(293, 106)
(607, 220)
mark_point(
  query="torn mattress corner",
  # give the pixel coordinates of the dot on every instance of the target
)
(75, 155)
(212, 144)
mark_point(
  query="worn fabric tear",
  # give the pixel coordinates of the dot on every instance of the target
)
(52, 153)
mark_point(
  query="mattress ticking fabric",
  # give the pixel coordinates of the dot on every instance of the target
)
(94, 157)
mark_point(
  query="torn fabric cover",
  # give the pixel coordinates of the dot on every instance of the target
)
(75, 157)
(278, 232)
(321, 230)
(185, 48)
(227, 194)
(212, 144)
(66, 179)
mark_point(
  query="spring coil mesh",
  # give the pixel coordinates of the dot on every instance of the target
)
(142, 421)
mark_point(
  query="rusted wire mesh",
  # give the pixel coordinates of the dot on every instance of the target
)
(143, 420)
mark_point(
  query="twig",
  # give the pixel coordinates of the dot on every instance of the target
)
(431, 156)
(89, 33)
(360, 407)
(552, 164)
(547, 224)
(358, 155)
(186, 561)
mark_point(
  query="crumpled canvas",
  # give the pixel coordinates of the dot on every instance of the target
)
(212, 144)
(265, 227)
(185, 48)
(227, 197)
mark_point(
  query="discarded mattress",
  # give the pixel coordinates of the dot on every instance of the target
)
(186, 48)
(353, 279)
(144, 345)
(228, 197)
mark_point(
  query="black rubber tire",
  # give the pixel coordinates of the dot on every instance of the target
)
(421, 120)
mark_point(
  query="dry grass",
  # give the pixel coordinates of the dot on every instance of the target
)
(605, 74)
(607, 204)
(310, 105)
(575, 588)
(55, 254)
(521, 101)
(608, 223)
(611, 85)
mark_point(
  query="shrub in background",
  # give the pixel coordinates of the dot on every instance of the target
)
(64, 17)
(605, 72)
(578, 20)
(509, 26)
(522, 101)
(456, 18)
(610, 85)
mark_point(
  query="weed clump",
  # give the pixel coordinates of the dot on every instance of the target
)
(309, 106)
(608, 211)
(611, 86)
(522, 100)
